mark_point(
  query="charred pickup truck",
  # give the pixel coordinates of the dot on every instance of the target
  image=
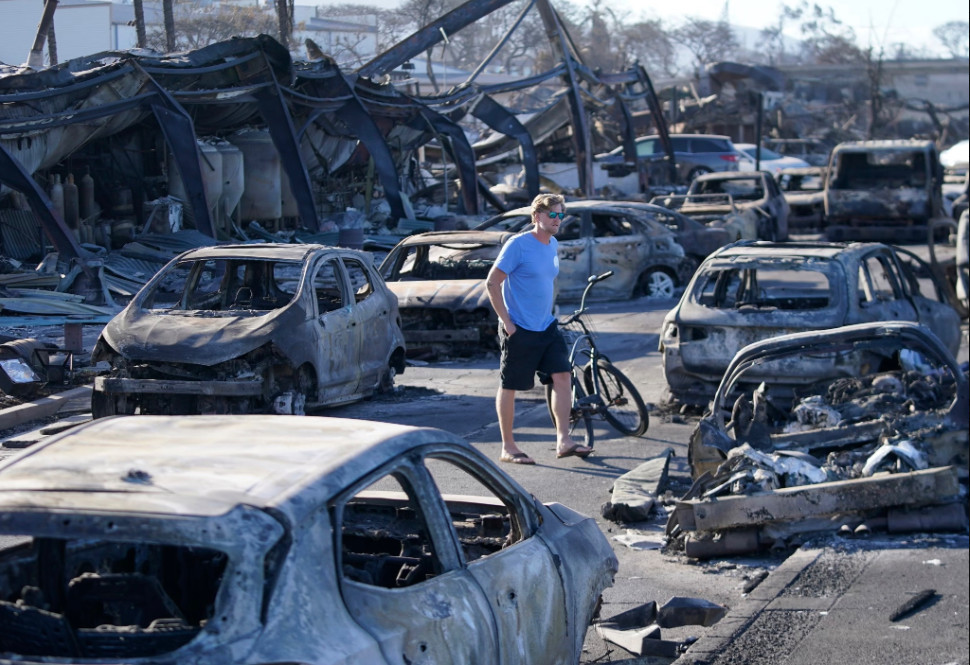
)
(883, 190)
(750, 205)
(251, 329)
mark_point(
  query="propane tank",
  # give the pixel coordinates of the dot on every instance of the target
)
(71, 203)
(88, 206)
(57, 196)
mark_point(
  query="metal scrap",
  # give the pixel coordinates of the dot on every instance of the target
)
(857, 452)
(635, 492)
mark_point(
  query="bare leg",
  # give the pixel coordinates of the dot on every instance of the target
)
(505, 406)
(561, 399)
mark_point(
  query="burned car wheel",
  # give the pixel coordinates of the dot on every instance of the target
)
(656, 283)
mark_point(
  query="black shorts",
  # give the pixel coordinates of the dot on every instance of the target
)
(527, 353)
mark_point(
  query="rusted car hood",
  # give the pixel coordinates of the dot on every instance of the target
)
(194, 337)
(453, 295)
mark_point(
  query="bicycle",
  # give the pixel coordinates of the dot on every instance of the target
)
(598, 389)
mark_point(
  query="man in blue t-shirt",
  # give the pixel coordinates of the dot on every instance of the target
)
(521, 288)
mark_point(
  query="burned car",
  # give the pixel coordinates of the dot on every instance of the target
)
(751, 193)
(331, 541)
(251, 329)
(439, 280)
(883, 190)
(597, 236)
(697, 239)
(804, 189)
(884, 448)
(750, 291)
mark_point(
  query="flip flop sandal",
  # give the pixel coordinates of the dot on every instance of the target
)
(574, 451)
(517, 458)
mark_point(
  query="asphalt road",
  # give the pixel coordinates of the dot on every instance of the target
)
(458, 396)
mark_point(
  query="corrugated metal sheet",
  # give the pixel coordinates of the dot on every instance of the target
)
(20, 234)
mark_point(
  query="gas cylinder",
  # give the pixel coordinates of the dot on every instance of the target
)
(57, 196)
(71, 217)
(88, 205)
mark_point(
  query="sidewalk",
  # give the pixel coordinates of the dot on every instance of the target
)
(75, 399)
(900, 600)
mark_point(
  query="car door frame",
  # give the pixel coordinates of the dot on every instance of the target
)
(516, 578)
(575, 259)
(338, 372)
(448, 604)
(627, 272)
(372, 317)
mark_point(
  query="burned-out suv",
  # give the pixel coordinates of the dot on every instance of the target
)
(694, 154)
(750, 291)
(883, 190)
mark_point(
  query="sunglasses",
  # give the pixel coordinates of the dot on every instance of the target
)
(553, 214)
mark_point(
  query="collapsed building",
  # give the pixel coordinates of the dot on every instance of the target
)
(99, 150)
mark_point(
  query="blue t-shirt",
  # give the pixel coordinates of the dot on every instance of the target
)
(529, 291)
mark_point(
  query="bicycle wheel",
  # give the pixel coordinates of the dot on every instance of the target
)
(580, 420)
(624, 408)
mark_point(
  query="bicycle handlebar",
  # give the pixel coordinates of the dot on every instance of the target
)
(599, 278)
(593, 279)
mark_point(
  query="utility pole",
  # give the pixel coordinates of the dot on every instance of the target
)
(284, 16)
(140, 23)
(168, 15)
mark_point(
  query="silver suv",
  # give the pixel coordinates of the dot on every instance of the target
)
(694, 154)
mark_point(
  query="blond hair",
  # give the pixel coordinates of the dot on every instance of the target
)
(545, 202)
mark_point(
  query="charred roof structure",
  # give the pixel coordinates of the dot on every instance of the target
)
(335, 139)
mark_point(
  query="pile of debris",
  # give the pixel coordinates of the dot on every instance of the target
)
(886, 450)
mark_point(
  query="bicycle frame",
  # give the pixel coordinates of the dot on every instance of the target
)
(598, 389)
(583, 351)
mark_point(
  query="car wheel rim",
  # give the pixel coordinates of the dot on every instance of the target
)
(659, 285)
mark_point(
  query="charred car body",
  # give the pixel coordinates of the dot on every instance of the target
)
(251, 328)
(883, 190)
(804, 189)
(598, 236)
(885, 449)
(697, 239)
(754, 194)
(332, 541)
(751, 291)
(439, 280)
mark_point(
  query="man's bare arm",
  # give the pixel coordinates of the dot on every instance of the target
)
(493, 285)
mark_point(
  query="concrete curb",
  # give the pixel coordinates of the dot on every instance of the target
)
(705, 650)
(41, 408)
